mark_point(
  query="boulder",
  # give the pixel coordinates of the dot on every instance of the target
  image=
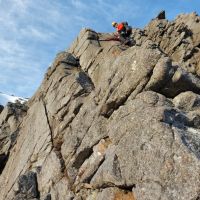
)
(27, 187)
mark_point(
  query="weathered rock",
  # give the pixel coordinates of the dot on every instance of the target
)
(3, 160)
(27, 187)
(1, 108)
(162, 73)
(150, 155)
(33, 145)
(179, 39)
(161, 15)
(115, 194)
(10, 120)
(65, 57)
(48, 197)
(187, 101)
(171, 80)
(103, 124)
(84, 80)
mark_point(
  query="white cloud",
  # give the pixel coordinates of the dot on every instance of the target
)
(79, 5)
(10, 47)
(36, 33)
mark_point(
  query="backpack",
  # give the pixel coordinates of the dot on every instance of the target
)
(127, 27)
(125, 23)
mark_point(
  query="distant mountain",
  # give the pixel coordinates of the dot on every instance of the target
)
(5, 98)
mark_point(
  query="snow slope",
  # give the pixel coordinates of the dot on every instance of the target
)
(5, 98)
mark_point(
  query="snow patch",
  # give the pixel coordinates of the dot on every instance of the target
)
(5, 98)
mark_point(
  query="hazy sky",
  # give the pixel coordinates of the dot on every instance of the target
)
(33, 31)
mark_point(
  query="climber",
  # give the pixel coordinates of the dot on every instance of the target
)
(124, 31)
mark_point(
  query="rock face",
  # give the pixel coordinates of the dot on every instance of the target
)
(109, 121)
(10, 124)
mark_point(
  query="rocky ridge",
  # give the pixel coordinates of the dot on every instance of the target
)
(110, 121)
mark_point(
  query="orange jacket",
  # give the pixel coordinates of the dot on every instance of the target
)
(120, 27)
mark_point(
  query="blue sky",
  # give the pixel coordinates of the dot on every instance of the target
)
(33, 31)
